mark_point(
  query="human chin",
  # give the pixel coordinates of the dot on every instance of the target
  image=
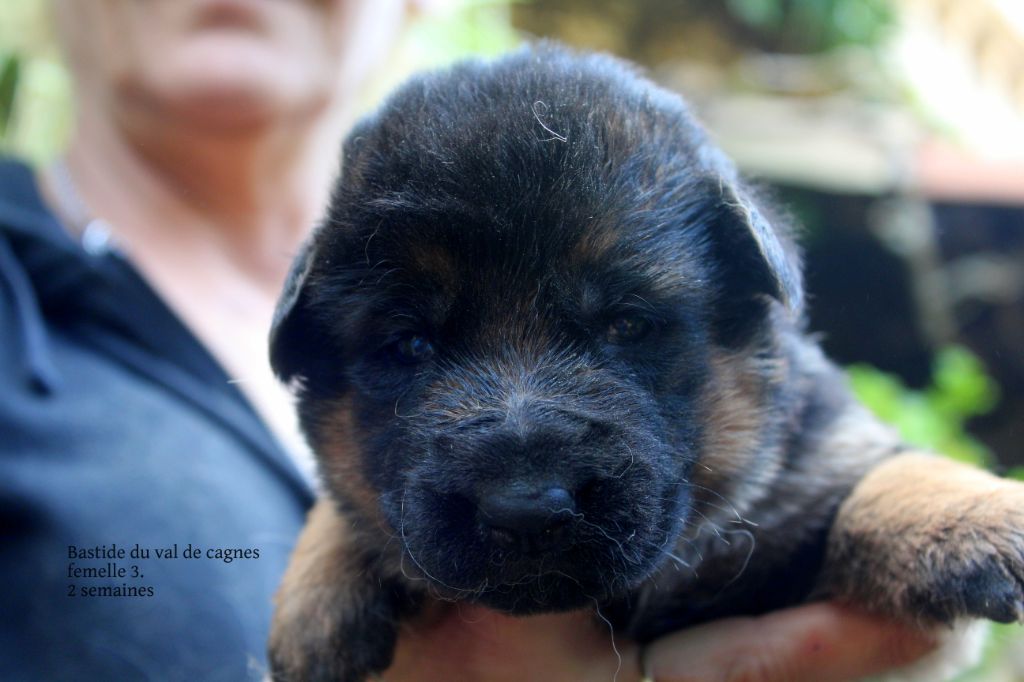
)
(230, 78)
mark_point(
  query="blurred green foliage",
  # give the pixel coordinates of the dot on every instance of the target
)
(35, 98)
(816, 25)
(935, 417)
(10, 71)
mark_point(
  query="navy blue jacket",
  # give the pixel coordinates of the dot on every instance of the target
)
(118, 428)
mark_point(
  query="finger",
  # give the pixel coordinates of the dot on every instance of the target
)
(815, 643)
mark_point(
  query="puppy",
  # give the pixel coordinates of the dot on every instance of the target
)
(550, 352)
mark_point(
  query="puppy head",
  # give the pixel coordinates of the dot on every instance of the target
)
(502, 333)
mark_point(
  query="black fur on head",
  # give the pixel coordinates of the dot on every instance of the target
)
(524, 272)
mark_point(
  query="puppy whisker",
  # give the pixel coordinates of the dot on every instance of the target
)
(611, 634)
(366, 245)
(678, 560)
(731, 507)
(746, 561)
(632, 461)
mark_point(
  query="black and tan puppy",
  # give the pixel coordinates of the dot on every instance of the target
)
(550, 353)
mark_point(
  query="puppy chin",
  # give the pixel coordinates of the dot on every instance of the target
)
(547, 593)
(531, 593)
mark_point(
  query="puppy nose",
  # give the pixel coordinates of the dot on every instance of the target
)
(530, 519)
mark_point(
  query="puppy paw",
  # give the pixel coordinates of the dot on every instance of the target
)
(332, 645)
(977, 569)
(991, 593)
(931, 540)
(336, 617)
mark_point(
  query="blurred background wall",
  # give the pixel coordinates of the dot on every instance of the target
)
(891, 130)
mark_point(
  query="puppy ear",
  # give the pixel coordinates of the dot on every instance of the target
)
(755, 260)
(291, 332)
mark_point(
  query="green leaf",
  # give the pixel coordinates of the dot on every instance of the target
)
(10, 72)
(961, 386)
(933, 418)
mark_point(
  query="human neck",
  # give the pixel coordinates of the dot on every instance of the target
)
(251, 193)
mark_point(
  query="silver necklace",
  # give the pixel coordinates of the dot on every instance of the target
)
(93, 233)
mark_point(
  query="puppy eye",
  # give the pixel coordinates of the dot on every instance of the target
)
(628, 329)
(414, 348)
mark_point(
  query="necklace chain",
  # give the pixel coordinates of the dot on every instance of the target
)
(93, 232)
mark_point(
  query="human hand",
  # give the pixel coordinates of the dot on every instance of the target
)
(818, 643)
(822, 642)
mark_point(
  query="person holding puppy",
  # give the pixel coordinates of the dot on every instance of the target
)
(138, 276)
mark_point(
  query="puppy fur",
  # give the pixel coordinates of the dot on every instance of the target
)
(537, 273)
